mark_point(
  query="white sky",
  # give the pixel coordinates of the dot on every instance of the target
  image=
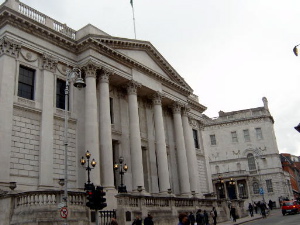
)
(231, 52)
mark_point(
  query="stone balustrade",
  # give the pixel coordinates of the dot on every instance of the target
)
(43, 19)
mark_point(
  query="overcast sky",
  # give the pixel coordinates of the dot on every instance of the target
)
(231, 52)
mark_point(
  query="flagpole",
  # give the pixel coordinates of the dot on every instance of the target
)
(133, 18)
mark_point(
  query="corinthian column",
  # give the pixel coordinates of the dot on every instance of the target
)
(46, 152)
(91, 120)
(190, 150)
(9, 52)
(106, 154)
(135, 136)
(181, 152)
(161, 151)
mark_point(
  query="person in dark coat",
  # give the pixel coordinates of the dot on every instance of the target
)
(137, 221)
(183, 219)
(270, 204)
(200, 217)
(113, 221)
(214, 215)
(250, 208)
(255, 207)
(263, 208)
(206, 220)
(148, 220)
(233, 213)
(192, 219)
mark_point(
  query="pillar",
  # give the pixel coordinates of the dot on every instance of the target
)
(190, 150)
(135, 136)
(46, 152)
(106, 154)
(160, 142)
(91, 120)
(181, 152)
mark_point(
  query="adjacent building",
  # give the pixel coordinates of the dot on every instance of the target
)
(244, 156)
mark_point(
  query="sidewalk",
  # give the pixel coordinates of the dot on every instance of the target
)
(248, 218)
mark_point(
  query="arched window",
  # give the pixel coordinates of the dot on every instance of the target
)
(255, 188)
(251, 161)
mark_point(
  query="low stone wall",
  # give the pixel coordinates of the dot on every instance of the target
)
(41, 208)
(165, 210)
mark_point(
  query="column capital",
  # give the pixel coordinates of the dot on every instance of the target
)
(9, 47)
(90, 69)
(157, 97)
(132, 87)
(176, 107)
(105, 74)
(186, 110)
(49, 62)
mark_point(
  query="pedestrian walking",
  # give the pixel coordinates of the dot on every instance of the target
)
(113, 221)
(200, 217)
(233, 213)
(148, 220)
(137, 221)
(255, 207)
(183, 219)
(250, 208)
(192, 218)
(206, 219)
(270, 204)
(214, 215)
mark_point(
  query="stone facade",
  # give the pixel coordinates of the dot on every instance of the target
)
(244, 157)
(134, 105)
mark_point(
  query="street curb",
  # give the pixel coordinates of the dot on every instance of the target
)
(259, 218)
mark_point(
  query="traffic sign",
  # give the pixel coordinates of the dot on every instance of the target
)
(261, 191)
(61, 204)
(64, 212)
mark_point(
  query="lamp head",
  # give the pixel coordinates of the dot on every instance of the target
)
(121, 159)
(93, 163)
(116, 166)
(82, 161)
(79, 83)
(87, 154)
(298, 128)
(125, 167)
(295, 50)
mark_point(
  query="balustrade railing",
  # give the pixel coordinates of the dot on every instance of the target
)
(47, 198)
(46, 20)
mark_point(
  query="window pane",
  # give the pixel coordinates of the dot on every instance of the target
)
(258, 133)
(234, 136)
(195, 136)
(60, 93)
(269, 185)
(246, 135)
(213, 140)
(251, 162)
(26, 83)
(255, 188)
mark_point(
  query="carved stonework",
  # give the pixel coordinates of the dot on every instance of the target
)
(132, 87)
(90, 70)
(176, 107)
(104, 76)
(157, 97)
(10, 47)
(186, 110)
(49, 62)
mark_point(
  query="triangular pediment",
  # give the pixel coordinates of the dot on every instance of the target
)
(146, 55)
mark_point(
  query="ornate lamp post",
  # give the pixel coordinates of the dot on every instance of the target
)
(221, 186)
(231, 181)
(88, 168)
(122, 170)
(73, 75)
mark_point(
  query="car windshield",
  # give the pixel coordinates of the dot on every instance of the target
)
(287, 203)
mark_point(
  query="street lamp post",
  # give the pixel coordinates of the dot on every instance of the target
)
(88, 168)
(122, 170)
(73, 75)
(221, 185)
(257, 152)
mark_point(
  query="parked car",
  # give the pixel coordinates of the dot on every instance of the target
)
(290, 207)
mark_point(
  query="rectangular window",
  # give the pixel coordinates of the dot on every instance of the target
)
(60, 93)
(234, 136)
(259, 135)
(213, 140)
(269, 186)
(111, 106)
(246, 135)
(26, 83)
(195, 136)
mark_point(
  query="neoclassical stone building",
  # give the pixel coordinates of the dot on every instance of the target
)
(244, 157)
(134, 105)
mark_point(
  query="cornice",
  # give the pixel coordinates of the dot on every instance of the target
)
(237, 121)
